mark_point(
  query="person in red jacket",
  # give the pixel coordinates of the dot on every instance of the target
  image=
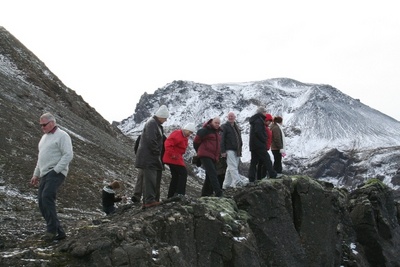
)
(262, 168)
(207, 144)
(175, 146)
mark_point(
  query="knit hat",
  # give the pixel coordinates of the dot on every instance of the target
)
(162, 112)
(268, 117)
(190, 127)
(261, 110)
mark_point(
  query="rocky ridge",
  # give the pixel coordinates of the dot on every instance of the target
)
(294, 221)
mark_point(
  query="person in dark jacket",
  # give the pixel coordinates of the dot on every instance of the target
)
(231, 150)
(175, 146)
(258, 145)
(207, 144)
(109, 197)
(149, 155)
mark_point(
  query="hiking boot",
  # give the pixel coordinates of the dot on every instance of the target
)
(251, 184)
(48, 237)
(60, 236)
(176, 197)
(135, 199)
(219, 194)
(152, 204)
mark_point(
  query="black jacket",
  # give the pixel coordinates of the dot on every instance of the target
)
(258, 133)
(108, 197)
(229, 139)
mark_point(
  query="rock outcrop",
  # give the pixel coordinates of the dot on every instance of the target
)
(294, 221)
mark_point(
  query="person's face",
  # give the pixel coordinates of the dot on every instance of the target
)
(215, 123)
(268, 123)
(231, 117)
(162, 120)
(46, 125)
(187, 133)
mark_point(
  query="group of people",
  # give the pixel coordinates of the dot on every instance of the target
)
(265, 133)
(219, 148)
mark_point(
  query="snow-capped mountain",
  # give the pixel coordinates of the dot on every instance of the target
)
(317, 119)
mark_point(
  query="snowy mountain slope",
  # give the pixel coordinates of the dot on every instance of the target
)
(317, 118)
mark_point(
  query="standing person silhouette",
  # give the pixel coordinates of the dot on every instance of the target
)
(278, 144)
(207, 144)
(55, 154)
(149, 154)
(175, 146)
(231, 149)
(258, 145)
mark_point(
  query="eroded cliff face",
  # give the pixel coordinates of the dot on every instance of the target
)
(294, 221)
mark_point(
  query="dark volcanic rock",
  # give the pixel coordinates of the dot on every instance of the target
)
(295, 221)
(375, 219)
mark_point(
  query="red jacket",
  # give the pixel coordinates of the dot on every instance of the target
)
(175, 147)
(207, 142)
(269, 137)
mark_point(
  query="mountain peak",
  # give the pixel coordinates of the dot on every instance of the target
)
(317, 117)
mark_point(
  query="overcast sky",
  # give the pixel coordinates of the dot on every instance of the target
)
(111, 52)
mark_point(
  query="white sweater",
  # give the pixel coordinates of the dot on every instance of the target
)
(55, 153)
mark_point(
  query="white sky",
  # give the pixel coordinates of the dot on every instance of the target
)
(111, 52)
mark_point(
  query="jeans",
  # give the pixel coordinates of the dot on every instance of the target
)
(47, 194)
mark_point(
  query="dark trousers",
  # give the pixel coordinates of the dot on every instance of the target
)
(260, 157)
(109, 210)
(277, 161)
(178, 180)
(221, 179)
(47, 195)
(158, 185)
(211, 183)
(139, 185)
(261, 171)
(151, 185)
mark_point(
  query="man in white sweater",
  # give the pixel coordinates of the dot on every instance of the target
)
(55, 154)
